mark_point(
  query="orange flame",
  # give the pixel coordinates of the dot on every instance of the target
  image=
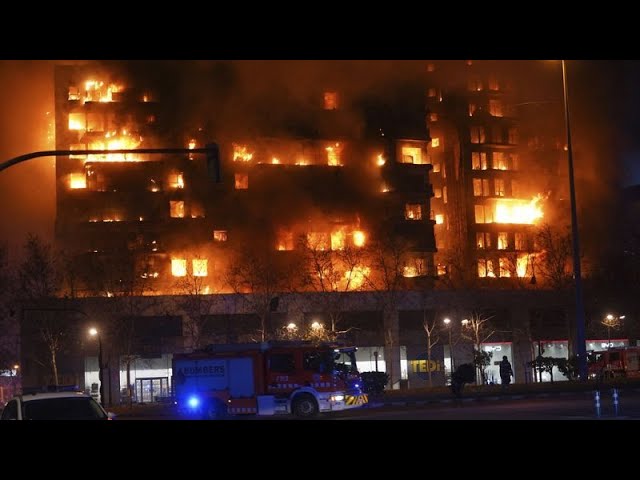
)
(518, 211)
(241, 153)
(178, 267)
(359, 238)
(77, 180)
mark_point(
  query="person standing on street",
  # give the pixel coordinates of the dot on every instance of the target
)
(505, 372)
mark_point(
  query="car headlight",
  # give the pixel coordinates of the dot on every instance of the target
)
(336, 398)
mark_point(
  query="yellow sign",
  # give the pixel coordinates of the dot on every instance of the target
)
(424, 366)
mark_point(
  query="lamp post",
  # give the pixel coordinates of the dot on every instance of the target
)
(447, 322)
(611, 321)
(581, 345)
(94, 333)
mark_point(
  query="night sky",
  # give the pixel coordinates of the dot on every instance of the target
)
(604, 101)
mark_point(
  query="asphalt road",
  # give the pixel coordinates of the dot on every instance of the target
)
(575, 406)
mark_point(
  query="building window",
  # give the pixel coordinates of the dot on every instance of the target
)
(472, 109)
(479, 160)
(413, 211)
(199, 266)
(483, 240)
(477, 135)
(176, 180)
(338, 240)
(444, 194)
(178, 267)
(320, 241)
(499, 187)
(442, 269)
(493, 84)
(432, 92)
(499, 161)
(433, 117)
(496, 134)
(513, 136)
(242, 181)
(505, 267)
(197, 210)
(520, 241)
(475, 85)
(333, 155)
(503, 241)
(483, 214)
(481, 187)
(77, 121)
(495, 108)
(284, 241)
(514, 161)
(431, 67)
(415, 267)
(485, 268)
(176, 208)
(435, 142)
(330, 100)
(219, 235)
(516, 189)
(77, 181)
(412, 155)
(436, 167)
(437, 192)
(439, 217)
(95, 122)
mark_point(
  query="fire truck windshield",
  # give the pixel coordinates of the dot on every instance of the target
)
(345, 361)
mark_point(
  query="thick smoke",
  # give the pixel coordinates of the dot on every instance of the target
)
(225, 98)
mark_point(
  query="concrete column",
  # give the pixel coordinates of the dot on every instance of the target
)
(392, 347)
(521, 351)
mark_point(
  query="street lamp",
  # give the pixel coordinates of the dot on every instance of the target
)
(611, 321)
(447, 322)
(577, 274)
(94, 333)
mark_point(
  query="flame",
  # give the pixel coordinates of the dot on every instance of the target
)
(522, 262)
(380, 161)
(302, 162)
(241, 153)
(275, 161)
(319, 241)
(439, 219)
(333, 155)
(284, 241)
(338, 240)
(518, 211)
(413, 211)
(95, 91)
(199, 266)
(410, 271)
(176, 180)
(113, 141)
(385, 189)
(178, 267)
(77, 121)
(77, 180)
(176, 208)
(220, 235)
(359, 238)
(356, 276)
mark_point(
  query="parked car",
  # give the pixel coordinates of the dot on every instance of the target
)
(54, 406)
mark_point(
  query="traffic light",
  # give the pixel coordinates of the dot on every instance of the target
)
(213, 161)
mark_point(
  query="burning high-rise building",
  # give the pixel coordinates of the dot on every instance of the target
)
(330, 207)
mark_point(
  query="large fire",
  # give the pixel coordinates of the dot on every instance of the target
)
(359, 238)
(356, 276)
(333, 155)
(241, 153)
(178, 267)
(77, 180)
(510, 210)
(114, 141)
(95, 91)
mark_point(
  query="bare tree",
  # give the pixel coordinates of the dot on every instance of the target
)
(9, 340)
(331, 272)
(477, 329)
(196, 299)
(554, 260)
(39, 279)
(388, 256)
(432, 329)
(259, 278)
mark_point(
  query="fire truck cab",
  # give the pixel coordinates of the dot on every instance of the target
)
(615, 362)
(266, 379)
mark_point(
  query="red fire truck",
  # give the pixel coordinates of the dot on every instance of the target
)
(615, 362)
(267, 379)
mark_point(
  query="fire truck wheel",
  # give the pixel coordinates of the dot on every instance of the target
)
(305, 406)
(215, 410)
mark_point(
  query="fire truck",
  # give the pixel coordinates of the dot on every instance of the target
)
(615, 362)
(267, 378)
